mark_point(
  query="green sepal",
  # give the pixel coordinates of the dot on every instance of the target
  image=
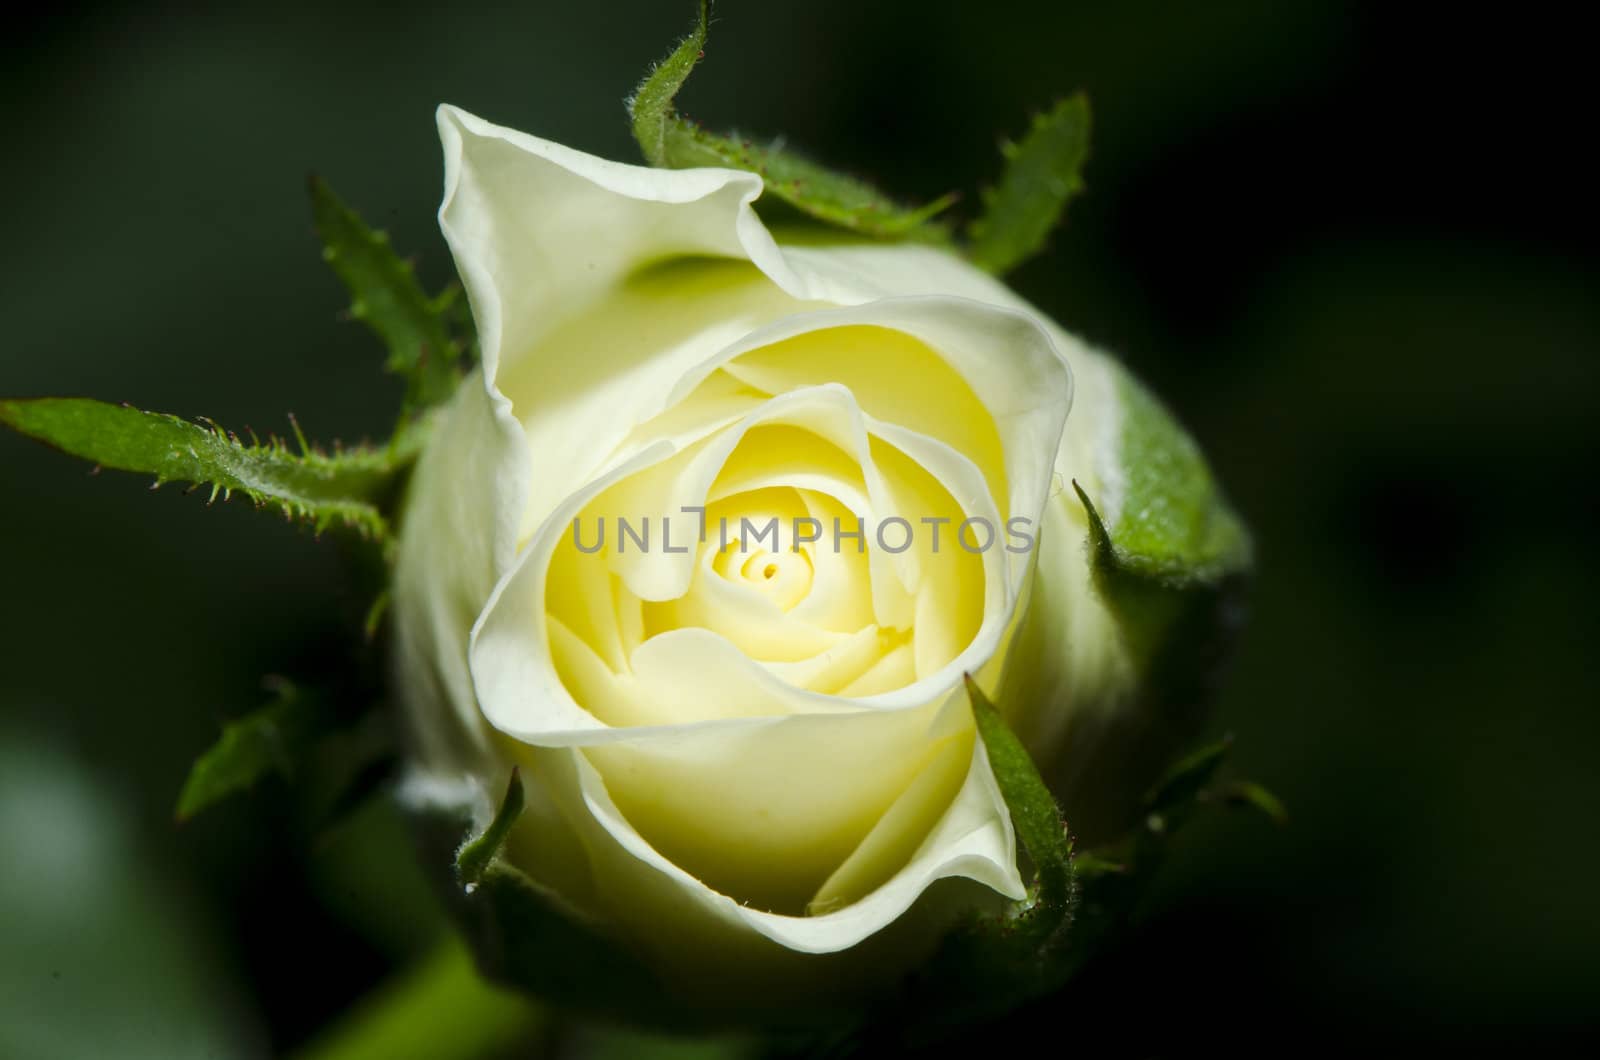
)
(1176, 528)
(476, 854)
(994, 962)
(671, 141)
(1042, 173)
(344, 488)
(269, 740)
(811, 188)
(1172, 568)
(386, 297)
(1034, 812)
(1168, 561)
(650, 107)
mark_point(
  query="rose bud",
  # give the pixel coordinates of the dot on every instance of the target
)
(704, 552)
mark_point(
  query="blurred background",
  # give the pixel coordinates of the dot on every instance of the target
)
(1354, 246)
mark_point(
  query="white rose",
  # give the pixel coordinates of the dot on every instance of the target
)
(740, 759)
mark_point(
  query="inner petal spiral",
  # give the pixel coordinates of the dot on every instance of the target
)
(824, 555)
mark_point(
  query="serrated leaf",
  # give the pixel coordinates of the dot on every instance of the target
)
(1043, 172)
(1033, 809)
(475, 856)
(671, 141)
(341, 489)
(265, 741)
(386, 296)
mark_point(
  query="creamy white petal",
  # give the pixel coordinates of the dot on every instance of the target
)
(517, 687)
(969, 840)
(543, 236)
(457, 537)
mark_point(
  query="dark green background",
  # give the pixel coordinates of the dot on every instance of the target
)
(1354, 246)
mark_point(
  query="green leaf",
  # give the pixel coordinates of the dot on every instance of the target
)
(1042, 173)
(477, 854)
(342, 489)
(268, 740)
(372, 621)
(670, 141)
(1249, 793)
(1033, 809)
(1116, 877)
(1187, 786)
(386, 296)
(1090, 866)
(1188, 777)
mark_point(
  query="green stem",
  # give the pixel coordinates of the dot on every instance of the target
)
(441, 1008)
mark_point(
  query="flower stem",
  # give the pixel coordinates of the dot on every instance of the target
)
(440, 1008)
